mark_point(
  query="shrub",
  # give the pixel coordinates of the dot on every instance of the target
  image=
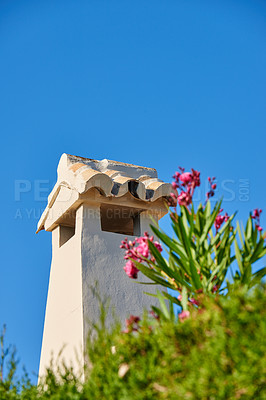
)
(218, 353)
(204, 247)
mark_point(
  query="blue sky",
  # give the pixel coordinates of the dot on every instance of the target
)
(154, 83)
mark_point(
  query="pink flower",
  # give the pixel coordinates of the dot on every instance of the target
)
(211, 193)
(186, 178)
(256, 216)
(155, 315)
(220, 219)
(256, 213)
(137, 253)
(195, 178)
(215, 288)
(184, 199)
(184, 315)
(179, 297)
(176, 175)
(143, 249)
(193, 301)
(132, 324)
(186, 182)
(158, 246)
(174, 185)
(131, 270)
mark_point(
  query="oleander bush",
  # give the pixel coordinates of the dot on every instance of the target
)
(206, 248)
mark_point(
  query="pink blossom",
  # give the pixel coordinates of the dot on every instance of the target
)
(179, 297)
(174, 185)
(186, 182)
(256, 213)
(215, 288)
(194, 301)
(220, 219)
(155, 315)
(186, 178)
(158, 246)
(137, 253)
(184, 315)
(143, 248)
(176, 175)
(256, 217)
(131, 270)
(184, 199)
(213, 186)
(195, 178)
(132, 324)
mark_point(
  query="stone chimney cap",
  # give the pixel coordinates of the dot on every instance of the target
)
(110, 178)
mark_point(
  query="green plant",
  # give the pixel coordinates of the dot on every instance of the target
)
(200, 252)
(218, 353)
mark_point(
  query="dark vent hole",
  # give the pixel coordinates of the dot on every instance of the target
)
(121, 220)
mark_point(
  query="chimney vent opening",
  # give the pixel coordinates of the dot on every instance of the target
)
(65, 233)
(121, 220)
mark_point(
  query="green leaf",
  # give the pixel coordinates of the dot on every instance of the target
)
(153, 275)
(239, 257)
(257, 276)
(166, 240)
(171, 298)
(185, 239)
(190, 219)
(157, 255)
(248, 229)
(184, 300)
(259, 251)
(239, 233)
(247, 273)
(163, 305)
(195, 276)
(219, 271)
(183, 264)
(158, 312)
(184, 220)
(172, 273)
(209, 221)
(246, 243)
(207, 210)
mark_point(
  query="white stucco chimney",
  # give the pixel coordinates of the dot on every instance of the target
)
(93, 206)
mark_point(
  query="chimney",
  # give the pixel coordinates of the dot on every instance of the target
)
(93, 206)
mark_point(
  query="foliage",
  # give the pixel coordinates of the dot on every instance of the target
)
(218, 353)
(204, 246)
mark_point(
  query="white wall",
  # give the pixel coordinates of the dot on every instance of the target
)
(102, 262)
(90, 256)
(64, 316)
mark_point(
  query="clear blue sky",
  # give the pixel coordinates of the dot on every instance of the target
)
(154, 83)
